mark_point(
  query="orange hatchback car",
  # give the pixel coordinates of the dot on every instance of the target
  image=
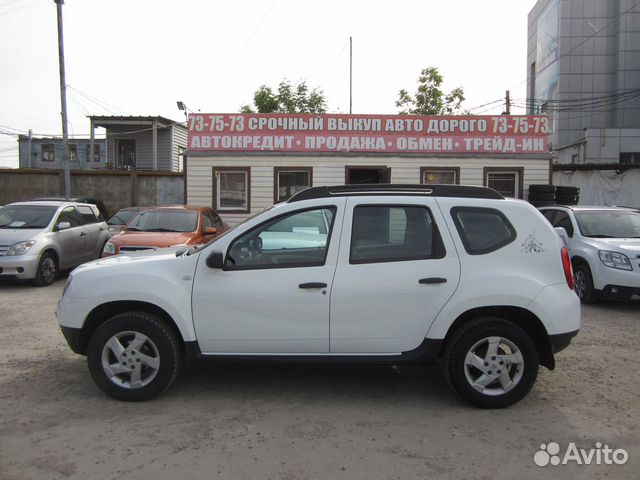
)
(166, 226)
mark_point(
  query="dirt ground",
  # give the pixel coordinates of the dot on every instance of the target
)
(293, 422)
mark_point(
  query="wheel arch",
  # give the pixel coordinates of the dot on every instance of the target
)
(102, 313)
(521, 317)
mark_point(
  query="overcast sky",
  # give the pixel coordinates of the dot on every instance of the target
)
(138, 57)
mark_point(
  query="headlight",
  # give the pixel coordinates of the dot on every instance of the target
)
(615, 260)
(109, 248)
(20, 248)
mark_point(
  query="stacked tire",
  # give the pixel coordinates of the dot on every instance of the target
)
(567, 195)
(542, 195)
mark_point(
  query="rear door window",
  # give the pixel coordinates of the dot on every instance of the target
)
(482, 230)
(393, 233)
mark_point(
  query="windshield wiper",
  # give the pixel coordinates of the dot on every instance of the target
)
(601, 236)
(162, 230)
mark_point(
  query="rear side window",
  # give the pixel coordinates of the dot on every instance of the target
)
(87, 215)
(395, 233)
(482, 230)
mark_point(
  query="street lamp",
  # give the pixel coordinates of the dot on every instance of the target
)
(182, 106)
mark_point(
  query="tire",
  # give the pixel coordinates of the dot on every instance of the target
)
(567, 190)
(136, 341)
(542, 189)
(567, 199)
(548, 197)
(47, 270)
(500, 389)
(584, 284)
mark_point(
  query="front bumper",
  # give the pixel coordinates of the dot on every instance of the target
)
(73, 336)
(21, 267)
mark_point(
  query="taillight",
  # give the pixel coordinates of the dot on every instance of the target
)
(568, 269)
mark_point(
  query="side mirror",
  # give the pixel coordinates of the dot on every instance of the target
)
(63, 226)
(563, 235)
(210, 230)
(215, 260)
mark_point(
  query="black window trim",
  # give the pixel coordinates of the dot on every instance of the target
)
(228, 266)
(463, 237)
(439, 250)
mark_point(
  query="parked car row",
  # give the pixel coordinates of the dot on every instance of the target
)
(41, 237)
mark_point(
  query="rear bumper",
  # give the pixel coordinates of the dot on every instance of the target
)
(561, 341)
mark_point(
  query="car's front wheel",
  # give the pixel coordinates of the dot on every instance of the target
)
(47, 270)
(491, 363)
(134, 356)
(584, 284)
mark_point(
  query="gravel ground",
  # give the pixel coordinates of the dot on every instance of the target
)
(293, 422)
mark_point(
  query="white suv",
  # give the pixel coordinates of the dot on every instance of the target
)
(382, 274)
(604, 244)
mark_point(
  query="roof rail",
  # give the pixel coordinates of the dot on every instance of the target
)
(466, 191)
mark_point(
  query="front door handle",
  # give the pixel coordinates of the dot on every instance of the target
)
(430, 280)
(313, 285)
(82, 234)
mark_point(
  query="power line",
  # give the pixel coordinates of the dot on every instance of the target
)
(19, 8)
(244, 45)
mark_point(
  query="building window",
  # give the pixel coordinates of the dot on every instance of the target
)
(73, 153)
(231, 189)
(442, 176)
(628, 158)
(96, 152)
(506, 181)
(48, 152)
(287, 181)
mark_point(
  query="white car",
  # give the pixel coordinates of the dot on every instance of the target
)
(368, 274)
(604, 244)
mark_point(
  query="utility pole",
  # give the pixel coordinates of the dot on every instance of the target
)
(350, 74)
(63, 103)
(30, 137)
(507, 103)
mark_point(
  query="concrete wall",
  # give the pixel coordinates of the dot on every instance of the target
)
(116, 189)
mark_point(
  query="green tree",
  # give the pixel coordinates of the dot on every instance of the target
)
(430, 99)
(288, 99)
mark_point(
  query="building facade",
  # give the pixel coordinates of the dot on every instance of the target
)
(46, 152)
(583, 71)
(142, 142)
(241, 164)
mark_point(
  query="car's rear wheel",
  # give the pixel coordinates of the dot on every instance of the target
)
(47, 270)
(134, 356)
(584, 284)
(491, 363)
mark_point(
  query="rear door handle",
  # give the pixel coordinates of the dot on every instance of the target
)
(82, 234)
(431, 280)
(313, 285)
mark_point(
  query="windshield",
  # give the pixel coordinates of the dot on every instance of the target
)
(165, 221)
(122, 217)
(608, 224)
(26, 216)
